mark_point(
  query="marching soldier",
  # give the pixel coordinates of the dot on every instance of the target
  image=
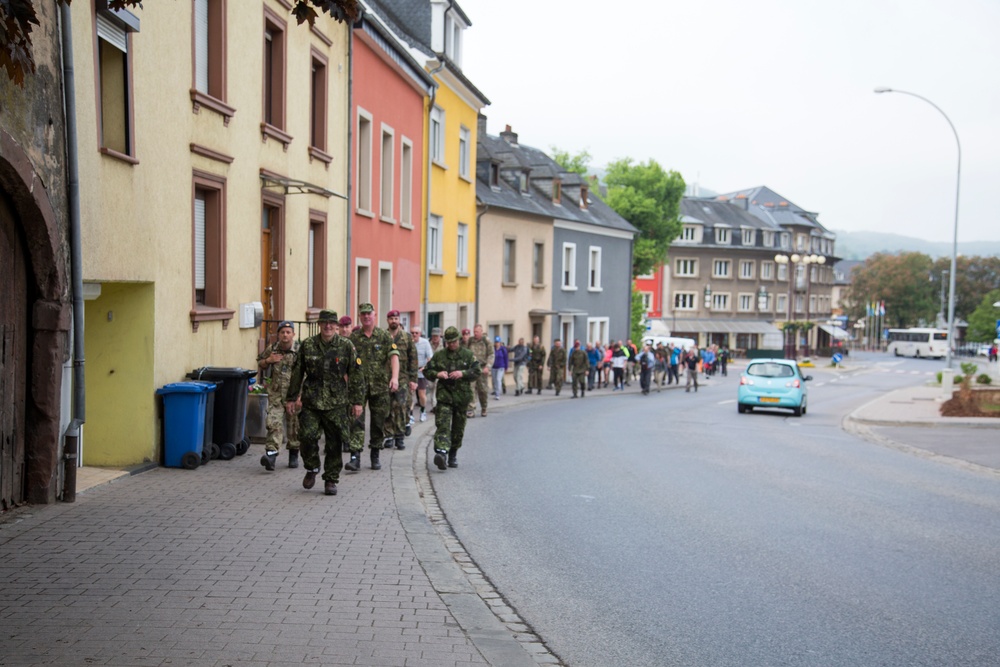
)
(453, 369)
(276, 363)
(557, 365)
(380, 363)
(399, 404)
(579, 366)
(482, 350)
(536, 364)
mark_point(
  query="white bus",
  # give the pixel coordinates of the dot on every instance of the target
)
(918, 342)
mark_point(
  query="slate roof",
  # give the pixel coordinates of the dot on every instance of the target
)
(712, 213)
(512, 159)
(842, 271)
(767, 204)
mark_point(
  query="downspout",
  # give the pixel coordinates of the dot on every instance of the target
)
(479, 217)
(350, 160)
(79, 402)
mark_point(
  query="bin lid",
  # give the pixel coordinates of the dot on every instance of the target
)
(220, 373)
(186, 388)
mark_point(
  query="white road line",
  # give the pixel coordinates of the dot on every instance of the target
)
(726, 402)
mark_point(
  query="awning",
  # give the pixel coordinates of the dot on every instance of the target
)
(540, 312)
(834, 331)
(720, 326)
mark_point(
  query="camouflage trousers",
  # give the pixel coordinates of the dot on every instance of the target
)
(377, 411)
(481, 389)
(557, 378)
(579, 381)
(449, 424)
(399, 412)
(336, 426)
(277, 421)
(535, 377)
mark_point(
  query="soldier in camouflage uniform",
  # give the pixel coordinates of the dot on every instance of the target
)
(579, 366)
(328, 385)
(275, 362)
(482, 350)
(380, 363)
(399, 404)
(557, 365)
(453, 369)
(536, 364)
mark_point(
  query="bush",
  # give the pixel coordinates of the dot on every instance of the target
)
(983, 378)
(938, 376)
(958, 379)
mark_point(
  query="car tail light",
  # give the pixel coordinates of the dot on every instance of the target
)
(745, 380)
(793, 383)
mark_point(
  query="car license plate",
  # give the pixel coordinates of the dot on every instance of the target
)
(769, 399)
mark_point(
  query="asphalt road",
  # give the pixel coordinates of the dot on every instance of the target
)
(669, 530)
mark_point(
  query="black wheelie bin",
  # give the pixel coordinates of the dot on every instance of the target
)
(230, 410)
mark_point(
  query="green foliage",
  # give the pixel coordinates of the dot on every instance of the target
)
(958, 379)
(578, 164)
(974, 277)
(983, 320)
(638, 314)
(901, 281)
(938, 376)
(983, 378)
(969, 368)
(650, 198)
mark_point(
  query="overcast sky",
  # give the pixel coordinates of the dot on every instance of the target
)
(735, 93)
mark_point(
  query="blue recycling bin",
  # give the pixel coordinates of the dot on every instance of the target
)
(184, 422)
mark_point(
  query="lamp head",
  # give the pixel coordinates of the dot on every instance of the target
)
(883, 89)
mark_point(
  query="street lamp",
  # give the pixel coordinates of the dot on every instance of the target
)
(762, 298)
(954, 240)
(795, 260)
(708, 297)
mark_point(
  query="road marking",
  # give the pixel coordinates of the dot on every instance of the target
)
(587, 498)
(726, 402)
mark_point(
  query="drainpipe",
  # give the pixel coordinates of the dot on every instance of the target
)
(72, 440)
(350, 161)
(427, 187)
(479, 217)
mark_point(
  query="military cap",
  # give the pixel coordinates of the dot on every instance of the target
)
(366, 308)
(345, 321)
(451, 334)
(285, 323)
(328, 316)
(436, 331)
(393, 313)
(464, 331)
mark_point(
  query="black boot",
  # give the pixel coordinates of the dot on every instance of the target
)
(354, 464)
(399, 442)
(268, 460)
(376, 464)
(439, 460)
(293, 458)
(453, 457)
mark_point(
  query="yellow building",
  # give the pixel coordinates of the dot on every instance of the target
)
(213, 161)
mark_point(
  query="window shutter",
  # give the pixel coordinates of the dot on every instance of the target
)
(199, 242)
(111, 33)
(201, 45)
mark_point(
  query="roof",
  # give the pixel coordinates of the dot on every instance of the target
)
(712, 213)
(766, 204)
(842, 271)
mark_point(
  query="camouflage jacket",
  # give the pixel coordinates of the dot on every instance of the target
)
(375, 352)
(407, 356)
(328, 375)
(278, 375)
(578, 361)
(482, 349)
(537, 360)
(453, 392)
(557, 358)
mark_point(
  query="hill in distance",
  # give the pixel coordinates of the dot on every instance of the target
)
(859, 245)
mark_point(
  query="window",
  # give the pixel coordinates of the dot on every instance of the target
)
(364, 281)
(462, 261)
(597, 329)
(437, 136)
(538, 264)
(384, 304)
(722, 235)
(768, 239)
(494, 175)
(767, 270)
(316, 270)
(387, 168)
(746, 303)
(364, 162)
(785, 240)
(509, 261)
(317, 107)
(747, 269)
(557, 192)
(406, 183)
(274, 76)
(799, 299)
(749, 236)
(209, 248)
(801, 242)
(464, 155)
(594, 269)
(812, 303)
(782, 272)
(453, 29)
(781, 303)
(690, 234)
(720, 268)
(569, 266)
(684, 300)
(434, 242)
(209, 88)
(647, 301)
(720, 302)
(686, 268)
(522, 182)
(114, 62)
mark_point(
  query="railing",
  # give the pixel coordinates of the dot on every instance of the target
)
(269, 331)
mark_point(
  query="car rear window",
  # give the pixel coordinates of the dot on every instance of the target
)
(770, 370)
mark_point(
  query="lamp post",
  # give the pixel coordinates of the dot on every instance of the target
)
(954, 239)
(794, 261)
(708, 309)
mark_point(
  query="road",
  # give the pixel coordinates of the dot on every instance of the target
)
(670, 530)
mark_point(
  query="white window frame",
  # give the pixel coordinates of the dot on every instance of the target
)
(647, 301)
(723, 236)
(384, 300)
(767, 270)
(387, 174)
(782, 272)
(689, 234)
(435, 242)
(749, 236)
(462, 250)
(746, 302)
(436, 136)
(405, 182)
(768, 238)
(747, 269)
(720, 302)
(568, 279)
(594, 269)
(538, 264)
(366, 131)
(685, 300)
(786, 240)
(464, 152)
(682, 263)
(720, 263)
(508, 267)
(781, 304)
(598, 329)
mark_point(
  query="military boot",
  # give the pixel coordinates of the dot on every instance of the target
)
(376, 464)
(268, 460)
(354, 464)
(293, 458)
(453, 457)
(399, 442)
(439, 459)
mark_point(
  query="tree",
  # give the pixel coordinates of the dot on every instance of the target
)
(17, 18)
(974, 277)
(577, 164)
(650, 198)
(983, 320)
(901, 281)
(638, 313)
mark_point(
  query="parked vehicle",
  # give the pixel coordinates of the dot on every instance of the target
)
(683, 343)
(773, 383)
(918, 342)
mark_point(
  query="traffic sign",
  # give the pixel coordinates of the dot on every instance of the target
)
(837, 358)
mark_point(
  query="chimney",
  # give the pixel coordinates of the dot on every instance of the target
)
(509, 136)
(481, 126)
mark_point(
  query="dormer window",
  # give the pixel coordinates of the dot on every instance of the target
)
(584, 193)
(523, 183)
(556, 191)
(494, 175)
(722, 235)
(453, 29)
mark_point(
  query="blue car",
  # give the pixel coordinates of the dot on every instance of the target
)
(773, 383)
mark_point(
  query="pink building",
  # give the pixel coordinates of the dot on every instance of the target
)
(387, 149)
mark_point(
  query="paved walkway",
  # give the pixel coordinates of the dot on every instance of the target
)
(230, 565)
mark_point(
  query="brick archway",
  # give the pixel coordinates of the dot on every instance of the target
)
(48, 313)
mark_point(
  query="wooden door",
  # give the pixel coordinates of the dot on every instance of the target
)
(14, 333)
(266, 288)
(271, 271)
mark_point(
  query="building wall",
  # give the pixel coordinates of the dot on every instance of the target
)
(380, 237)
(138, 217)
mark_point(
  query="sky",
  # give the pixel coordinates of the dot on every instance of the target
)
(735, 94)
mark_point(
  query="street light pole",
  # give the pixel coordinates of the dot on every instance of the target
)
(954, 240)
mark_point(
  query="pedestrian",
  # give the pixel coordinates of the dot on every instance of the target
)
(424, 354)
(593, 359)
(632, 354)
(676, 353)
(345, 328)
(436, 344)
(724, 359)
(465, 337)
(275, 364)
(707, 361)
(609, 351)
(618, 360)
(327, 384)
(536, 365)
(557, 365)
(482, 350)
(579, 367)
(380, 363)
(499, 366)
(660, 366)
(520, 354)
(645, 361)
(691, 361)
(400, 419)
(454, 369)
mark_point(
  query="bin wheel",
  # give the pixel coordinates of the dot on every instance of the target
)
(227, 451)
(243, 447)
(190, 461)
(206, 456)
(216, 451)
